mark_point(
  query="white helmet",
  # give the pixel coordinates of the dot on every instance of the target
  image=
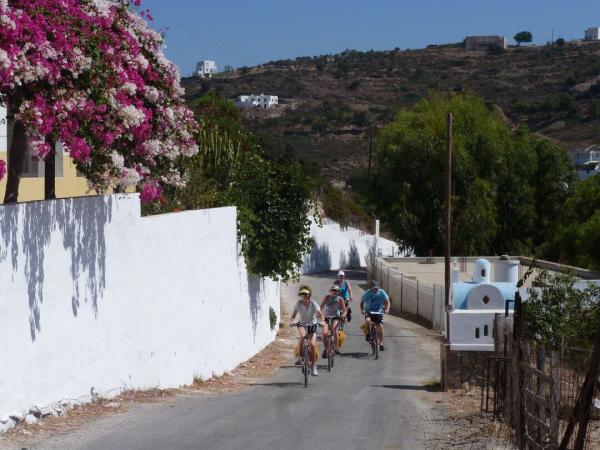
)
(341, 273)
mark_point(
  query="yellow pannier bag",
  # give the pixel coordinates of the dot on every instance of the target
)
(341, 338)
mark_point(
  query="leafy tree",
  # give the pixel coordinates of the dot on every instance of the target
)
(501, 179)
(273, 197)
(557, 311)
(576, 238)
(273, 216)
(523, 36)
(560, 42)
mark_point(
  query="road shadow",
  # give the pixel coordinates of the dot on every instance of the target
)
(409, 387)
(355, 355)
(282, 384)
(352, 275)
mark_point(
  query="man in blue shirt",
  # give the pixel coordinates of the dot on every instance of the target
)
(374, 302)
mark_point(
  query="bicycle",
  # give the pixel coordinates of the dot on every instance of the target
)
(304, 351)
(331, 340)
(376, 319)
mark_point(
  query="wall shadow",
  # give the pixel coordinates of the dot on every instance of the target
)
(318, 260)
(80, 223)
(353, 256)
(255, 287)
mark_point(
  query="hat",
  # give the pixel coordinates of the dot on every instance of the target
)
(335, 287)
(374, 284)
(341, 273)
(304, 290)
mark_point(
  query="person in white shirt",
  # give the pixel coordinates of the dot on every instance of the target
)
(310, 314)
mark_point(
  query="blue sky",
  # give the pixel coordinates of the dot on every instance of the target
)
(238, 33)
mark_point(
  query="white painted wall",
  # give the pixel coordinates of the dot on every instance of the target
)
(93, 295)
(463, 325)
(338, 248)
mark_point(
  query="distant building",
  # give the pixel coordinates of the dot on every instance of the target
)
(206, 69)
(227, 69)
(586, 161)
(474, 43)
(592, 34)
(257, 101)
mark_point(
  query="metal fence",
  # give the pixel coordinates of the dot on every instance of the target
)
(410, 297)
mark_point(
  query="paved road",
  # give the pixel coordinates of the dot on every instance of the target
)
(361, 404)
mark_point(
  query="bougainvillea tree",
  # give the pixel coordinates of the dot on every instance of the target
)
(91, 74)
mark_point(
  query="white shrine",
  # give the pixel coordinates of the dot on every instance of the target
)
(476, 303)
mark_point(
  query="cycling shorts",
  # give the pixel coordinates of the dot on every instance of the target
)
(329, 320)
(310, 328)
(376, 318)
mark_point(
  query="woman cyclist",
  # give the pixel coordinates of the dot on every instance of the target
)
(334, 309)
(309, 311)
(345, 292)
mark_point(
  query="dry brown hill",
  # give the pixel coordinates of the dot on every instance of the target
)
(328, 102)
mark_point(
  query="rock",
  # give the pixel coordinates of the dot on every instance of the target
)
(16, 417)
(36, 411)
(113, 405)
(30, 419)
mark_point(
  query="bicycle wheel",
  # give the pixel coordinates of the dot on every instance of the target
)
(306, 363)
(372, 339)
(376, 344)
(329, 353)
(333, 353)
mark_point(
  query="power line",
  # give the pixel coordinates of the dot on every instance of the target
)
(254, 63)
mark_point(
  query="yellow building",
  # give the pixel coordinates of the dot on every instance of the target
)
(31, 187)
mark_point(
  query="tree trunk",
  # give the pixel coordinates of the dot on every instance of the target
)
(16, 157)
(50, 171)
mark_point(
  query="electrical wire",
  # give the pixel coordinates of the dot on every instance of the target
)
(283, 75)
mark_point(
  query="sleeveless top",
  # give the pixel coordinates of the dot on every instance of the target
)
(331, 308)
(344, 290)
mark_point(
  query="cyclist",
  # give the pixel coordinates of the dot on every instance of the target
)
(375, 300)
(345, 291)
(334, 309)
(309, 311)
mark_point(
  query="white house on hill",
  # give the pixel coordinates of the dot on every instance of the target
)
(592, 34)
(257, 101)
(586, 161)
(206, 68)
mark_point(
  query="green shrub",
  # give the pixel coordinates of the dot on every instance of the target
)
(272, 318)
(560, 313)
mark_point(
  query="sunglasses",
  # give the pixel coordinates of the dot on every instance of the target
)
(302, 294)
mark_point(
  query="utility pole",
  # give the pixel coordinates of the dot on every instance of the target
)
(447, 216)
(370, 150)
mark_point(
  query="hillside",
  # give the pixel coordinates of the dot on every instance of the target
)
(328, 102)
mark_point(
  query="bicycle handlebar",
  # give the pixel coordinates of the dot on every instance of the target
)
(300, 324)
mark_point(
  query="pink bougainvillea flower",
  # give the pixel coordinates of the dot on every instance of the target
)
(2, 169)
(116, 110)
(150, 192)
